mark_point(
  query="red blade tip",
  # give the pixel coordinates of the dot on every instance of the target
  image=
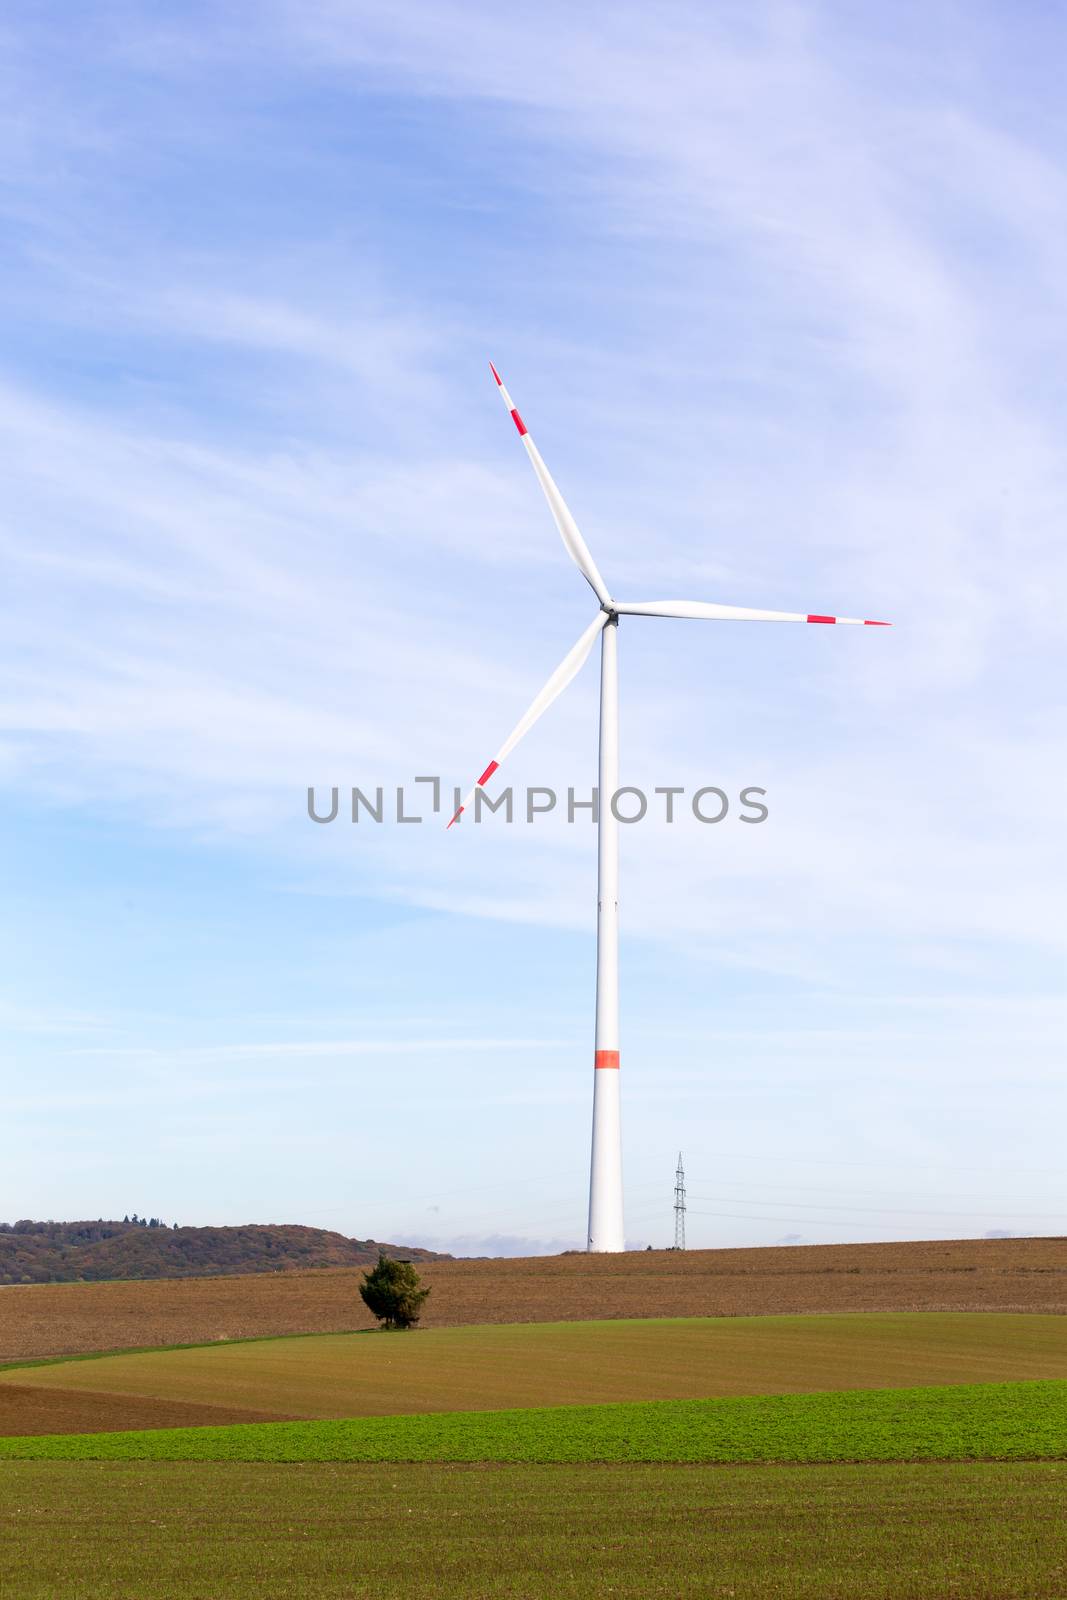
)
(869, 624)
(495, 373)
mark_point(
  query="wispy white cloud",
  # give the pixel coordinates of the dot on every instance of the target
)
(781, 294)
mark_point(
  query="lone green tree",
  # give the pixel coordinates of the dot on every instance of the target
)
(392, 1292)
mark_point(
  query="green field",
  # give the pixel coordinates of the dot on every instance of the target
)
(860, 1457)
(997, 1422)
(543, 1364)
(155, 1531)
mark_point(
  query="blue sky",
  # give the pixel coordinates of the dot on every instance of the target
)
(780, 291)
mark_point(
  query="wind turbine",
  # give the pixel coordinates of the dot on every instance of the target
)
(605, 1174)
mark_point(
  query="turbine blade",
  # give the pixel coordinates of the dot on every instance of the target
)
(568, 669)
(709, 612)
(568, 528)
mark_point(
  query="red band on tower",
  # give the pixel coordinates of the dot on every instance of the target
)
(606, 1058)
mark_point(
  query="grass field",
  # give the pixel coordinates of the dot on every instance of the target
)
(533, 1364)
(86, 1531)
(995, 1422)
(564, 1458)
(953, 1275)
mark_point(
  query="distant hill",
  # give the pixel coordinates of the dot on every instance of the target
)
(87, 1252)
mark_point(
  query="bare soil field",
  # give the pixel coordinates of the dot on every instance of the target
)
(943, 1275)
(501, 1367)
(26, 1409)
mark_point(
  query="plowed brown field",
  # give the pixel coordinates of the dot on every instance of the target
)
(28, 1410)
(946, 1275)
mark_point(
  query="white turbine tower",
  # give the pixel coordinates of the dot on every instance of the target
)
(605, 1175)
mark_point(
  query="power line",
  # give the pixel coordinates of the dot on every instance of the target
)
(888, 1166)
(883, 1211)
(837, 1190)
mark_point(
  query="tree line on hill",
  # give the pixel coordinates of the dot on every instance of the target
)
(136, 1247)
